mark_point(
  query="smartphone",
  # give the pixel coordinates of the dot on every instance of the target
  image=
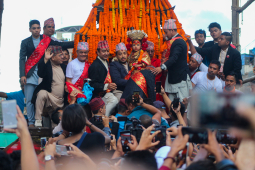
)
(196, 135)
(98, 119)
(176, 102)
(122, 118)
(43, 142)
(161, 136)
(224, 138)
(9, 112)
(62, 150)
(136, 95)
(158, 86)
(218, 110)
(125, 139)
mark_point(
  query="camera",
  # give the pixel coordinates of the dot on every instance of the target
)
(134, 127)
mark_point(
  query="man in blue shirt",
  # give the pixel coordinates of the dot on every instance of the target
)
(141, 108)
(18, 96)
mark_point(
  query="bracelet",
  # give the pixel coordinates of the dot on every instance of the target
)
(90, 125)
(169, 157)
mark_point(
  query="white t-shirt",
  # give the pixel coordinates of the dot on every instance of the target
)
(204, 84)
(74, 70)
(204, 68)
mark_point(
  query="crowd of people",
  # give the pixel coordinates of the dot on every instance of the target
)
(95, 107)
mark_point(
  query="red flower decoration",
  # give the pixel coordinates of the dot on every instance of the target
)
(128, 46)
(144, 46)
(144, 40)
(139, 68)
(227, 56)
(129, 39)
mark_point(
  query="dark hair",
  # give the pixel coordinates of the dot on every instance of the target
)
(139, 160)
(96, 111)
(32, 22)
(73, 118)
(182, 110)
(121, 108)
(129, 100)
(6, 162)
(55, 116)
(216, 62)
(232, 73)
(228, 36)
(146, 120)
(200, 31)
(16, 160)
(201, 165)
(65, 49)
(214, 24)
(148, 101)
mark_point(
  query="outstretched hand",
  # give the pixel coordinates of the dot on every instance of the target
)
(48, 53)
(146, 139)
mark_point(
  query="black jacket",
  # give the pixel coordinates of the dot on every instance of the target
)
(177, 62)
(45, 72)
(97, 74)
(27, 48)
(118, 73)
(232, 63)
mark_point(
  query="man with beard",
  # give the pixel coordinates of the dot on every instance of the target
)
(119, 69)
(203, 81)
(230, 83)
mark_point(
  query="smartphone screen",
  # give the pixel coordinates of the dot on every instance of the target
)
(136, 96)
(98, 118)
(196, 135)
(122, 118)
(62, 150)
(125, 139)
(161, 136)
(224, 138)
(43, 142)
(158, 86)
(9, 112)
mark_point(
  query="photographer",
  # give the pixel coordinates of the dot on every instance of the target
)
(141, 108)
(99, 118)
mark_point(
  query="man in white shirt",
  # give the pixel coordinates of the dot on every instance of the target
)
(78, 68)
(206, 81)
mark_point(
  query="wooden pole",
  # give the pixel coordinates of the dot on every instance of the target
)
(235, 24)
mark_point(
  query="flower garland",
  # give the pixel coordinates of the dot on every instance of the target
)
(147, 15)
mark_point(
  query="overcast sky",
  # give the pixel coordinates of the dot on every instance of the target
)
(193, 14)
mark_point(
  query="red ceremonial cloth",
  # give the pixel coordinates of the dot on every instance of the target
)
(108, 80)
(38, 53)
(72, 87)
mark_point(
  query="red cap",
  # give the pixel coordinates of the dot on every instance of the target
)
(96, 103)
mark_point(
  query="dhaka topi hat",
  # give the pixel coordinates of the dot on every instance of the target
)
(121, 46)
(55, 49)
(150, 45)
(170, 24)
(49, 21)
(83, 46)
(103, 44)
(197, 57)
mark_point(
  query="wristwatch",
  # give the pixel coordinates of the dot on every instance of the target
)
(48, 158)
(163, 67)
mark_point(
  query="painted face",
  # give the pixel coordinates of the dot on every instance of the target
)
(122, 56)
(136, 45)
